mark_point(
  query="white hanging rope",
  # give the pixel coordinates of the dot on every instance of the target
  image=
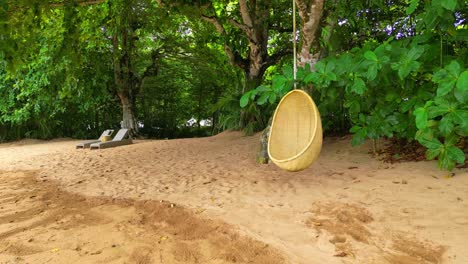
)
(294, 44)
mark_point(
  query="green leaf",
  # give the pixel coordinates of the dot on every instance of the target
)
(278, 83)
(320, 66)
(432, 153)
(453, 68)
(461, 96)
(446, 125)
(372, 72)
(263, 98)
(451, 140)
(449, 4)
(421, 117)
(460, 117)
(311, 77)
(331, 76)
(444, 161)
(406, 68)
(461, 89)
(445, 87)
(355, 129)
(455, 154)
(462, 130)
(244, 101)
(354, 106)
(437, 110)
(359, 137)
(252, 94)
(414, 53)
(359, 86)
(262, 88)
(330, 66)
(272, 98)
(440, 76)
(370, 55)
(405, 106)
(412, 7)
(391, 96)
(432, 143)
(288, 71)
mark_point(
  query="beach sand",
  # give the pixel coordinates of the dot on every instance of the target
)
(348, 207)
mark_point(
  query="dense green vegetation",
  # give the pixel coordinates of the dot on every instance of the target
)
(413, 84)
(377, 69)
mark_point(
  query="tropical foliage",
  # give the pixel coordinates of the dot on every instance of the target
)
(410, 86)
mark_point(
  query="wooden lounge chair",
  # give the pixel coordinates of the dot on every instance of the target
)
(86, 144)
(121, 138)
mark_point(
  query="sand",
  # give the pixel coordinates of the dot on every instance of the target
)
(347, 208)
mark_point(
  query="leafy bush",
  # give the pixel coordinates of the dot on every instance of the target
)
(414, 88)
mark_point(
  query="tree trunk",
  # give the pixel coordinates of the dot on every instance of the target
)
(262, 154)
(251, 82)
(310, 12)
(128, 113)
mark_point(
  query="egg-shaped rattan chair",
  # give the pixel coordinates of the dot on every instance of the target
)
(296, 132)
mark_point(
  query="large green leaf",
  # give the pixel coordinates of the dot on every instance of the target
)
(244, 101)
(412, 7)
(359, 86)
(278, 83)
(407, 67)
(288, 71)
(370, 55)
(272, 98)
(432, 153)
(449, 4)
(461, 88)
(312, 77)
(421, 117)
(455, 154)
(437, 110)
(372, 72)
(414, 53)
(460, 117)
(430, 143)
(446, 125)
(359, 136)
(406, 105)
(445, 162)
(446, 78)
(263, 98)
(453, 68)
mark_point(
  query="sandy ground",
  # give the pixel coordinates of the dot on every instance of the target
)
(346, 208)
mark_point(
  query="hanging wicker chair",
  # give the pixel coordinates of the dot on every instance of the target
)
(296, 132)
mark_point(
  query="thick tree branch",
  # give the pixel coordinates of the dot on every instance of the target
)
(310, 12)
(234, 57)
(245, 13)
(214, 20)
(82, 3)
(239, 25)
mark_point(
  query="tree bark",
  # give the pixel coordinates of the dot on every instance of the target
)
(255, 27)
(128, 113)
(262, 155)
(127, 84)
(310, 12)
